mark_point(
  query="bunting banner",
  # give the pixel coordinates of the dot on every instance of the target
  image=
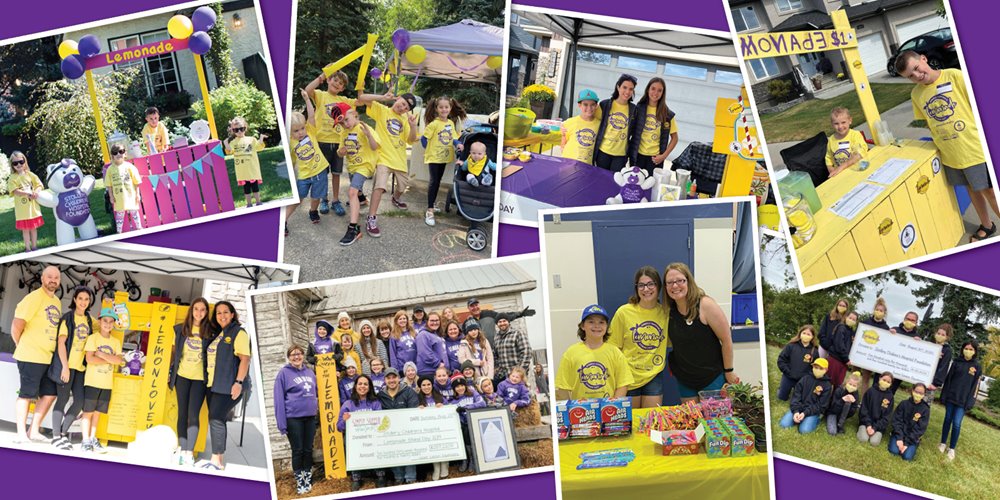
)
(188, 170)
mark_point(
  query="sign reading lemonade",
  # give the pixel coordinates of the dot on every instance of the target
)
(907, 358)
(136, 53)
(393, 438)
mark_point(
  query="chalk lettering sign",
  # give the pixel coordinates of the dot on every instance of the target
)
(760, 45)
(907, 358)
(329, 412)
(136, 53)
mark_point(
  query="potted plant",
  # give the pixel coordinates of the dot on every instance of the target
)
(748, 404)
(541, 98)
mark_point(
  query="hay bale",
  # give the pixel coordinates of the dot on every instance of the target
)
(536, 453)
(528, 416)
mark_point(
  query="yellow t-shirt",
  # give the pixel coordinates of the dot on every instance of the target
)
(328, 132)
(74, 358)
(38, 340)
(392, 132)
(123, 180)
(649, 141)
(102, 375)
(307, 159)
(641, 334)
(241, 345)
(839, 151)
(615, 142)
(159, 134)
(24, 208)
(190, 365)
(244, 150)
(580, 138)
(441, 135)
(945, 106)
(593, 373)
(360, 157)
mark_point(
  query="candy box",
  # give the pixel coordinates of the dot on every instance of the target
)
(616, 416)
(743, 444)
(718, 442)
(582, 417)
(562, 419)
(680, 442)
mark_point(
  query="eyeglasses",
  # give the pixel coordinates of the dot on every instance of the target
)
(18, 162)
(239, 129)
(117, 152)
(682, 281)
(651, 285)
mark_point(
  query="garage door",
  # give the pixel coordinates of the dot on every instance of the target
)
(873, 54)
(911, 29)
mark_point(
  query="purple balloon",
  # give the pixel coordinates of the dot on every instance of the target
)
(200, 43)
(203, 18)
(89, 46)
(72, 67)
(401, 39)
(375, 73)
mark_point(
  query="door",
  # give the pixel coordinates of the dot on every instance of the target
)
(911, 29)
(873, 54)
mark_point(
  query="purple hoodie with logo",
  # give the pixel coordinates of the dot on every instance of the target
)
(351, 406)
(446, 391)
(451, 347)
(430, 353)
(378, 382)
(470, 400)
(346, 387)
(402, 350)
(514, 393)
(294, 395)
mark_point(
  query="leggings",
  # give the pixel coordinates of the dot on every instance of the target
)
(251, 187)
(608, 162)
(953, 416)
(218, 413)
(437, 172)
(190, 397)
(301, 433)
(62, 417)
(132, 214)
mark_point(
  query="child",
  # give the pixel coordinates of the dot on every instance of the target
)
(350, 377)
(403, 346)
(330, 131)
(432, 356)
(475, 349)
(103, 355)
(877, 320)
(441, 125)
(840, 348)
(846, 146)
(395, 127)
(480, 169)
(844, 404)
(359, 147)
(810, 398)
(310, 165)
(831, 320)
(323, 344)
(513, 391)
(370, 347)
(75, 327)
(909, 422)
(942, 100)
(468, 371)
(244, 150)
(24, 186)
(580, 132)
(377, 375)
(796, 358)
(876, 407)
(123, 179)
(592, 368)
(410, 377)
(350, 351)
(489, 396)
(466, 398)
(942, 337)
(428, 396)
(655, 135)
(361, 398)
(155, 132)
(442, 384)
(959, 394)
(452, 344)
(344, 326)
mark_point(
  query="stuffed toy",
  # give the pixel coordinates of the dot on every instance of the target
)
(66, 195)
(633, 182)
(134, 363)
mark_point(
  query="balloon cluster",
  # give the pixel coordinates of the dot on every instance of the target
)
(413, 53)
(75, 54)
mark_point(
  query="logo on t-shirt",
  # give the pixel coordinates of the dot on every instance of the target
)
(940, 107)
(394, 126)
(618, 120)
(106, 349)
(351, 144)
(586, 137)
(304, 150)
(647, 335)
(593, 375)
(444, 136)
(193, 343)
(52, 314)
(80, 332)
(651, 123)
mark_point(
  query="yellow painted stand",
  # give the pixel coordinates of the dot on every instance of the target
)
(364, 52)
(334, 462)
(730, 139)
(203, 84)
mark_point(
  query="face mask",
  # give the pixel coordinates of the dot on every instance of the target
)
(806, 338)
(819, 372)
(909, 325)
(882, 384)
(968, 353)
(879, 315)
(842, 309)
(917, 397)
(851, 387)
(940, 338)
(851, 323)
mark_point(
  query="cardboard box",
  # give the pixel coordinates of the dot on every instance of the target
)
(618, 413)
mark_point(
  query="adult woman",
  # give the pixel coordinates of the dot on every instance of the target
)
(74, 328)
(831, 320)
(909, 422)
(188, 373)
(295, 407)
(959, 394)
(362, 399)
(877, 320)
(369, 347)
(403, 345)
(639, 329)
(591, 368)
(655, 135)
(384, 330)
(618, 122)
(475, 349)
(431, 351)
(228, 358)
(448, 314)
(419, 318)
(452, 341)
(702, 355)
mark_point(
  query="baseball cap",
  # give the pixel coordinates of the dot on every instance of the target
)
(822, 363)
(594, 309)
(337, 111)
(391, 371)
(410, 99)
(587, 95)
(108, 312)
(419, 308)
(471, 301)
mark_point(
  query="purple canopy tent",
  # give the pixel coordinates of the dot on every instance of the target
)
(457, 52)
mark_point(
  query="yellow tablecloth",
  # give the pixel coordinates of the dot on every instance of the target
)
(652, 475)
(535, 142)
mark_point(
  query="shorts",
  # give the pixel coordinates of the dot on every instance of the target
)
(358, 180)
(382, 174)
(652, 388)
(314, 187)
(329, 151)
(976, 177)
(715, 385)
(95, 399)
(34, 380)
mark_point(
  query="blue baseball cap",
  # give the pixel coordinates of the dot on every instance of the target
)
(587, 95)
(592, 310)
(108, 312)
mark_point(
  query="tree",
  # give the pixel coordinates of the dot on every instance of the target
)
(220, 58)
(25, 66)
(968, 311)
(989, 352)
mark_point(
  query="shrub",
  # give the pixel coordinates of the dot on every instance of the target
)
(993, 396)
(12, 129)
(4, 173)
(239, 99)
(780, 89)
(538, 92)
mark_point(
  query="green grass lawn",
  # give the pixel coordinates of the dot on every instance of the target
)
(971, 475)
(805, 120)
(275, 187)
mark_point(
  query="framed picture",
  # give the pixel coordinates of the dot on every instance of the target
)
(494, 448)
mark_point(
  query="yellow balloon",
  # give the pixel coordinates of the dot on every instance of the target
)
(494, 62)
(68, 48)
(180, 27)
(416, 54)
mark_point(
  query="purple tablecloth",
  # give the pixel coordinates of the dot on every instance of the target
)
(561, 182)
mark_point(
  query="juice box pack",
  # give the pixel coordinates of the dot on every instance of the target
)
(583, 418)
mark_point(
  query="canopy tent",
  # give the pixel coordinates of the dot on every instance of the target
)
(457, 52)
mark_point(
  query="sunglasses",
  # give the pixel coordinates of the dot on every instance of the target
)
(117, 152)
(239, 129)
(18, 162)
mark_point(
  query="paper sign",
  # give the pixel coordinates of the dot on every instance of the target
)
(760, 45)
(907, 358)
(395, 438)
(329, 412)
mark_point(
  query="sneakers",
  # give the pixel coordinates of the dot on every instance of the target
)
(324, 207)
(353, 234)
(400, 204)
(338, 208)
(87, 445)
(942, 447)
(951, 454)
(62, 443)
(429, 217)
(98, 447)
(314, 216)
(362, 200)
(187, 459)
(372, 227)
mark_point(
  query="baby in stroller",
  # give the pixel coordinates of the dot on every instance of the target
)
(479, 169)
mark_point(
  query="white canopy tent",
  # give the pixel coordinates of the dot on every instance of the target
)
(457, 52)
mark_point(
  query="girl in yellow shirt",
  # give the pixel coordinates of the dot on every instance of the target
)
(639, 329)
(618, 120)
(74, 329)
(442, 121)
(188, 374)
(655, 134)
(24, 186)
(244, 150)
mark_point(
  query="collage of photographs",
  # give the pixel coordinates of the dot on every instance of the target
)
(481, 248)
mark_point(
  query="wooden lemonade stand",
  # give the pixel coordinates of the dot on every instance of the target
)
(909, 210)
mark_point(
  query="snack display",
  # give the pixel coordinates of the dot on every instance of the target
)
(617, 457)
(718, 442)
(584, 418)
(715, 404)
(581, 418)
(683, 442)
(669, 418)
(728, 437)
(616, 416)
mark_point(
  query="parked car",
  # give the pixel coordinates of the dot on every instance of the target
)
(938, 46)
(984, 386)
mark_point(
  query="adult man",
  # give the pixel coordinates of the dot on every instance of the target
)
(488, 318)
(510, 349)
(36, 319)
(396, 396)
(909, 328)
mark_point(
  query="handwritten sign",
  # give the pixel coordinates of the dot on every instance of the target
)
(153, 396)
(124, 405)
(329, 412)
(395, 438)
(760, 45)
(136, 53)
(907, 358)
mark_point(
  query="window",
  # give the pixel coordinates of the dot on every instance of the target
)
(764, 68)
(160, 71)
(787, 5)
(685, 71)
(592, 56)
(647, 65)
(745, 18)
(728, 77)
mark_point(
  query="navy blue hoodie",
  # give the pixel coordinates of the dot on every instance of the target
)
(826, 331)
(962, 382)
(876, 408)
(811, 395)
(837, 402)
(796, 360)
(840, 342)
(910, 420)
(944, 361)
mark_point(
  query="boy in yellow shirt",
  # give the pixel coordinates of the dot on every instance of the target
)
(309, 162)
(103, 353)
(122, 179)
(942, 100)
(579, 133)
(592, 368)
(154, 132)
(846, 146)
(329, 131)
(360, 150)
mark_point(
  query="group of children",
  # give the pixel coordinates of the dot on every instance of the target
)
(817, 383)
(323, 141)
